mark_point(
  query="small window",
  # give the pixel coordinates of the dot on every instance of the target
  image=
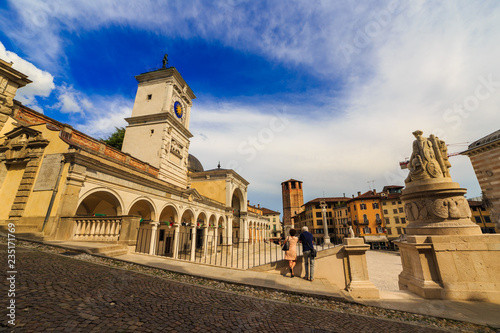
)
(487, 219)
(318, 214)
(395, 211)
(400, 209)
(150, 96)
(385, 211)
(403, 220)
(396, 219)
(375, 205)
(389, 231)
(478, 219)
(399, 230)
(384, 203)
(387, 221)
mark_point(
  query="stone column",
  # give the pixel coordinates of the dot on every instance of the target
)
(228, 239)
(244, 230)
(154, 236)
(323, 206)
(176, 240)
(216, 239)
(205, 240)
(193, 243)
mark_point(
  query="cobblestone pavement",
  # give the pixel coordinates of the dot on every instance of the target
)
(61, 294)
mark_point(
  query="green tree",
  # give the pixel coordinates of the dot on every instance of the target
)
(115, 140)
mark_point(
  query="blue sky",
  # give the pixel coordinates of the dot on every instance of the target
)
(327, 92)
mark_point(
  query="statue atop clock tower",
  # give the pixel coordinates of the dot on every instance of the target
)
(158, 130)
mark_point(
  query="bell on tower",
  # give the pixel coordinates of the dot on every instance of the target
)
(158, 130)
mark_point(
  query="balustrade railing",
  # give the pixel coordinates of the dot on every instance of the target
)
(97, 228)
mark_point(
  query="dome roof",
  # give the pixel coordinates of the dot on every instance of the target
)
(194, 165)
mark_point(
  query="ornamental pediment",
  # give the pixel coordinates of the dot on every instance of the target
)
(20, 142)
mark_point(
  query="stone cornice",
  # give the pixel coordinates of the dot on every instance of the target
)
(481, 149)
(121, 170)
(164, 117)
(219, 174)
(164, 73)
(13, 75)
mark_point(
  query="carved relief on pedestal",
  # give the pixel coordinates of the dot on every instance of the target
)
(444, 208)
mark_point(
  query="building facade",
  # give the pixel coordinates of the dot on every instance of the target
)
(153, 197)
(275, 223)
(481, 215)
(484, 155)
(365, 212)
(312, 217)
(393, 211)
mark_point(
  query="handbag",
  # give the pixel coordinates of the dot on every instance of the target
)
(286, 246)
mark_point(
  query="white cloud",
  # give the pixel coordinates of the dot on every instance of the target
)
(103, 115)
(43, 82)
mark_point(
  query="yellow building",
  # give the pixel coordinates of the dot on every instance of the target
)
(57, 183)
(365, 213)
(340, 220)
(393, 211)
(482, 216)
(275, 225)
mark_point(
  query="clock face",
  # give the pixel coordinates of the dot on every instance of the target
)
(178, 109)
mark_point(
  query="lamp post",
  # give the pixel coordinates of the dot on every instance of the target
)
(323, 206)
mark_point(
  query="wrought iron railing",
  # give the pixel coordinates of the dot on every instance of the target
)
(214, 249)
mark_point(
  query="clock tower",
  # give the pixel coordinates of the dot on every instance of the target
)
(158, 130)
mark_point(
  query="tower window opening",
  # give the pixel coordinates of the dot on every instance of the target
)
(150, 96)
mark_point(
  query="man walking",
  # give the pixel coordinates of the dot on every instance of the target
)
(306, 238)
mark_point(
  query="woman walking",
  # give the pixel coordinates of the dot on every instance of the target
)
(291, 254)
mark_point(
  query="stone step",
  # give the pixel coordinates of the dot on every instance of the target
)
(20, 228)
(115, 253)
(38, 236)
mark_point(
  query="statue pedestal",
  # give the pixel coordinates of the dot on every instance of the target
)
(445, 255)
(455, 267)
(359, 285)
(437, 207)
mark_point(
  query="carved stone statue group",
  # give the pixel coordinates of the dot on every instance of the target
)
(429, 159)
